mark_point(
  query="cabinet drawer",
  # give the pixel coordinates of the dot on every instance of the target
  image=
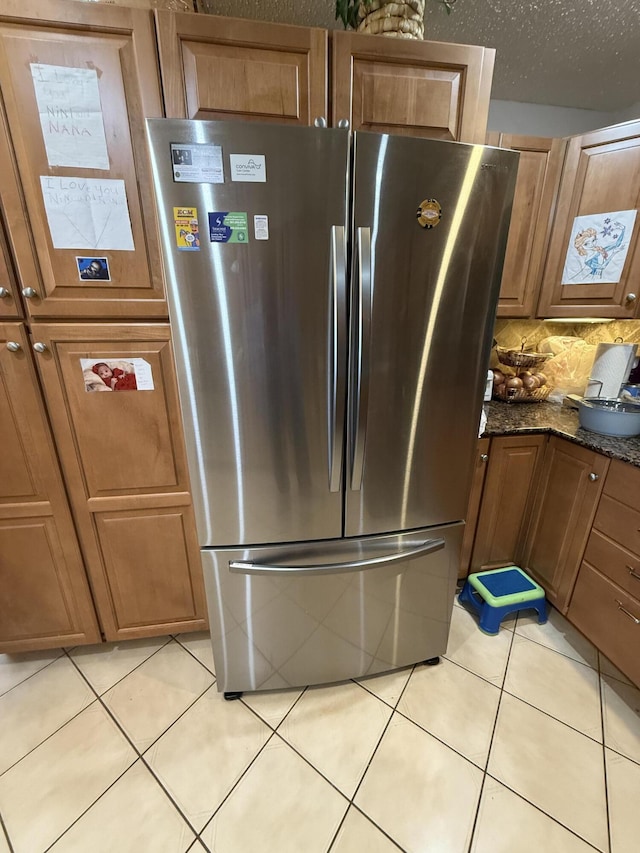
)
(619, 522)
(623, 484)
(595, 610)
(614, 562)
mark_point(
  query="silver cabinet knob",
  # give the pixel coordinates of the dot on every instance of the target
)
(630, 297)
(320, 121)
(593, 477)
(484, 457)
(13, 346)
(29, 292)
(40, 347)
(4, 292)
(344, 123)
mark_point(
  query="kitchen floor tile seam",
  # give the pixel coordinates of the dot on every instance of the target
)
(547, 714)
(3, 829)
(604, 753)
(28, 677)
(126, 675)
(364, 687)
(141, 755)
(602, 674)
(473, 672)
(92, 804)
(187, 649)
(366, 816)
(546, 814)
(557, 651)
(48, 737)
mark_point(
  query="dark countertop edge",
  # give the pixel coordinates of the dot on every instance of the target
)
(498, 423)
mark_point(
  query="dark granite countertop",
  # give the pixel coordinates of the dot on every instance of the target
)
(522, 418)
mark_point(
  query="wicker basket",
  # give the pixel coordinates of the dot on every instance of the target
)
(402, 19)
(522, 395)
(520, 358)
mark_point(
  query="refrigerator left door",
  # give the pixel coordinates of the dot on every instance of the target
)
(253, 222)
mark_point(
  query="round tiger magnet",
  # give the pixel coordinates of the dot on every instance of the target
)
(429, 213)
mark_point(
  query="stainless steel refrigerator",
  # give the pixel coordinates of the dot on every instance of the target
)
(332, 296)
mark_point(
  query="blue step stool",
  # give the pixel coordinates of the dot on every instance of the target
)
(496, 593)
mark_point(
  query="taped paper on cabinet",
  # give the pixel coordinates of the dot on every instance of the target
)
(598, 247)
(70, 116)
(116, 374)
(87, 213)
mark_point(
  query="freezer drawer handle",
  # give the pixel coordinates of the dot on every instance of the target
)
(361, 379)
(245, 568)
(337, 353)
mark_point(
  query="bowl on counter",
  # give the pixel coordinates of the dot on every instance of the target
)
(608, 415)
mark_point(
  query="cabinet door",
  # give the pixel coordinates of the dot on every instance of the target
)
(601, 175)
(514, 465)
(536, 189)
(565, 504)
(416, 88)
(9, 299)
(12, 217)
(223, 68)
(123, 457)
(44, 594)
(78, 81)
(473, 508)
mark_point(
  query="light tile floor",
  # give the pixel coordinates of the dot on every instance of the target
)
(526, 741)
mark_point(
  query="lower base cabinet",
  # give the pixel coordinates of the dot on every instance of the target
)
(45, 599)
(130, 565)
(565, 504)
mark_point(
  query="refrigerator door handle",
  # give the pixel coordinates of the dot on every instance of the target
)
(363, 345)
(249, 568)
(338, 353)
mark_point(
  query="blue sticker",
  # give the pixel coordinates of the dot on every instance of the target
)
(228, 227)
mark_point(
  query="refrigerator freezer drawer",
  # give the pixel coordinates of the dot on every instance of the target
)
(291, 615)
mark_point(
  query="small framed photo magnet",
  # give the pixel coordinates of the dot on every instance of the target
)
(93, 269)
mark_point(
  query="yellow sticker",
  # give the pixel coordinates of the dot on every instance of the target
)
(429, 213)
(185, 220)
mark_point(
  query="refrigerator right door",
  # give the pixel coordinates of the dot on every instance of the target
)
(430, 223)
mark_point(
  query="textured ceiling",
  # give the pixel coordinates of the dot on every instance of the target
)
(571, 53)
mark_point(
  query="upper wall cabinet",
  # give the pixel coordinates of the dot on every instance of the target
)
(601, 175)
(223, 68)
(536, 190)
(78, 81)
(414, 88)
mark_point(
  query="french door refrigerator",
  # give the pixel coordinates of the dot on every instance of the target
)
(331, 298)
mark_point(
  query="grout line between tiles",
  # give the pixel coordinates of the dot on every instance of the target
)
(558, 652)
(493, 732)
(195, 657)
(111, 686)
(546, 814)
(28, 677)
(3, 829)
(141, 755)
(547, 714)
(604, 753)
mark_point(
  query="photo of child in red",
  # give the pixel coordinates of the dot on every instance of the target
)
(115, 379)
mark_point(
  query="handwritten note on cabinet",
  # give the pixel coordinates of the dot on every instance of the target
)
(70, 116)
(87, 213)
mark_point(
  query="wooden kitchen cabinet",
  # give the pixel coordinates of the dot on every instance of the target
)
(539, 172)
(124, 464)
(44, 594)
(223, 68)
(413, 88)
(512, 472)
(601, 174)
(118, 46)
(473, 508)
(565, 504)
(10, 308)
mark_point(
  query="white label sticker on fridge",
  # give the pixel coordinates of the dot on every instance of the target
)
(70, 116)
(197, 164)
(248, 167)
(261, 227)
(116, 374)
(87, 213)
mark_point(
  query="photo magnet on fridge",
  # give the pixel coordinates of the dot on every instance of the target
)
(93, 269)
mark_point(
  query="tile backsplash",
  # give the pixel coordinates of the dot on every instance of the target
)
(509, 333)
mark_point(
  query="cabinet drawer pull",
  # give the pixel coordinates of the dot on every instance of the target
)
(633, 573)
(627, 613)
(593, 477)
